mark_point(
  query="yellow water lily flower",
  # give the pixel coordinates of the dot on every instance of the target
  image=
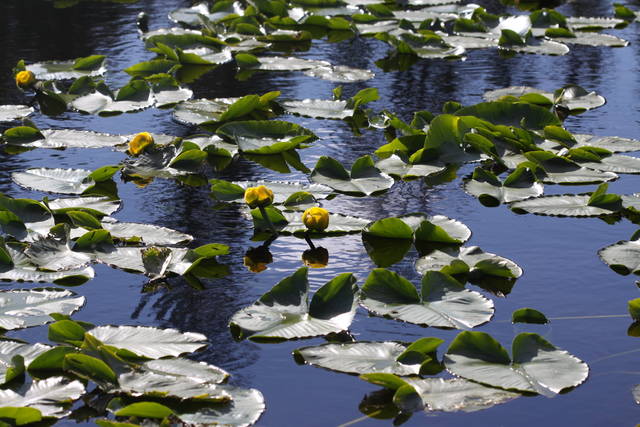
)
(25, 79)
(258, 196)
(316, 258)
(139, 142)
(316, 219)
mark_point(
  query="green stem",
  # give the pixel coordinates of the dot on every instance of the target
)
(308, 239)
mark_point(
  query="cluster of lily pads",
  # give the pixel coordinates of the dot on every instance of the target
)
(516, 138)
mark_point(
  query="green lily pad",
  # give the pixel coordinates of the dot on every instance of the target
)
(519, 185)
(11, 349)
(536, 367)
(439, 394)
(9, 113)
(367, 357)
(363, 180)
(50, 396)
(468, 260)
(319, 108)
(623, 257)
(340, 74)
(150, 342)
(60, 70)
(266, 136)
(400, 167)
(443, 303)
(575, 205)
(285, 313)
(243, 410)
(24, 308)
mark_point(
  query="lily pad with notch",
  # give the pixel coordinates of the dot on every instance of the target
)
(443, 303)
(367, 357)
(364, 179)
(285, 313)
(536, 366)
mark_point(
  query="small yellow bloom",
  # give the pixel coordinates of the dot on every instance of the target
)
(316, 219)
(25, 79)
(139, 142)
(258, 196)
(316, 258)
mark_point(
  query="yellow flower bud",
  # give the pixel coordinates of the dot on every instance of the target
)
(139, 142)
(25, 79)
(316, 258)
(316, 219)
(258, 196)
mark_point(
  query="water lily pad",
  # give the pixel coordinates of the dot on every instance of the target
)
(439, 394)
(100, 204)
(561, 170)
(278, 63)
(11, 349)
(61, 70)
(615, 163)
(563, 205)
(614, 144)
(363, 180)
(623, 257)
(180, 367)
(367, 357)
(340, 74)
(468, 260)
(149, 234)
(23, 308)
(191, 15)
(396, 166)
(291, 223)
(149, 383)
(319, 108)
(50, 396)
(197, 111)
(591, 23)
(166, 161)
(536, 365)
(14, 112)
(520, 114)
(443, 303)
(244, 410)
(65, 181)
(150, 342)
(520, 185)
(266, 136)
(285, 313)
(23, 270)
(70, 138)
(593, 39)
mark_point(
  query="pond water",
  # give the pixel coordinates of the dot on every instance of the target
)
(563, 276)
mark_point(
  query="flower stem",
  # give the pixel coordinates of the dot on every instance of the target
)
(308, 239)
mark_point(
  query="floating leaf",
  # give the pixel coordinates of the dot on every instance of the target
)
(23, 308)
(59, 70)
(563, 205)
(439, 394)
(623, 257)
(319, 108)
(528, 315)
(10, 349)
(396, 166)
(148, 234)
(340, 74)
(536, 367)
(468, 260)
(285, 313)
(366, 357)
(363, 180)
(14, 112)
(291, 223)
(519, 185)
(149, 342)
(266, 137)
(443, 303)
(245, 409)
(50, 396)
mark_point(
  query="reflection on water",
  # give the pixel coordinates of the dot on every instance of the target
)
(563, 276)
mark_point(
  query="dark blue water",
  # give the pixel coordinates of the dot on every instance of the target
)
(563, 275)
